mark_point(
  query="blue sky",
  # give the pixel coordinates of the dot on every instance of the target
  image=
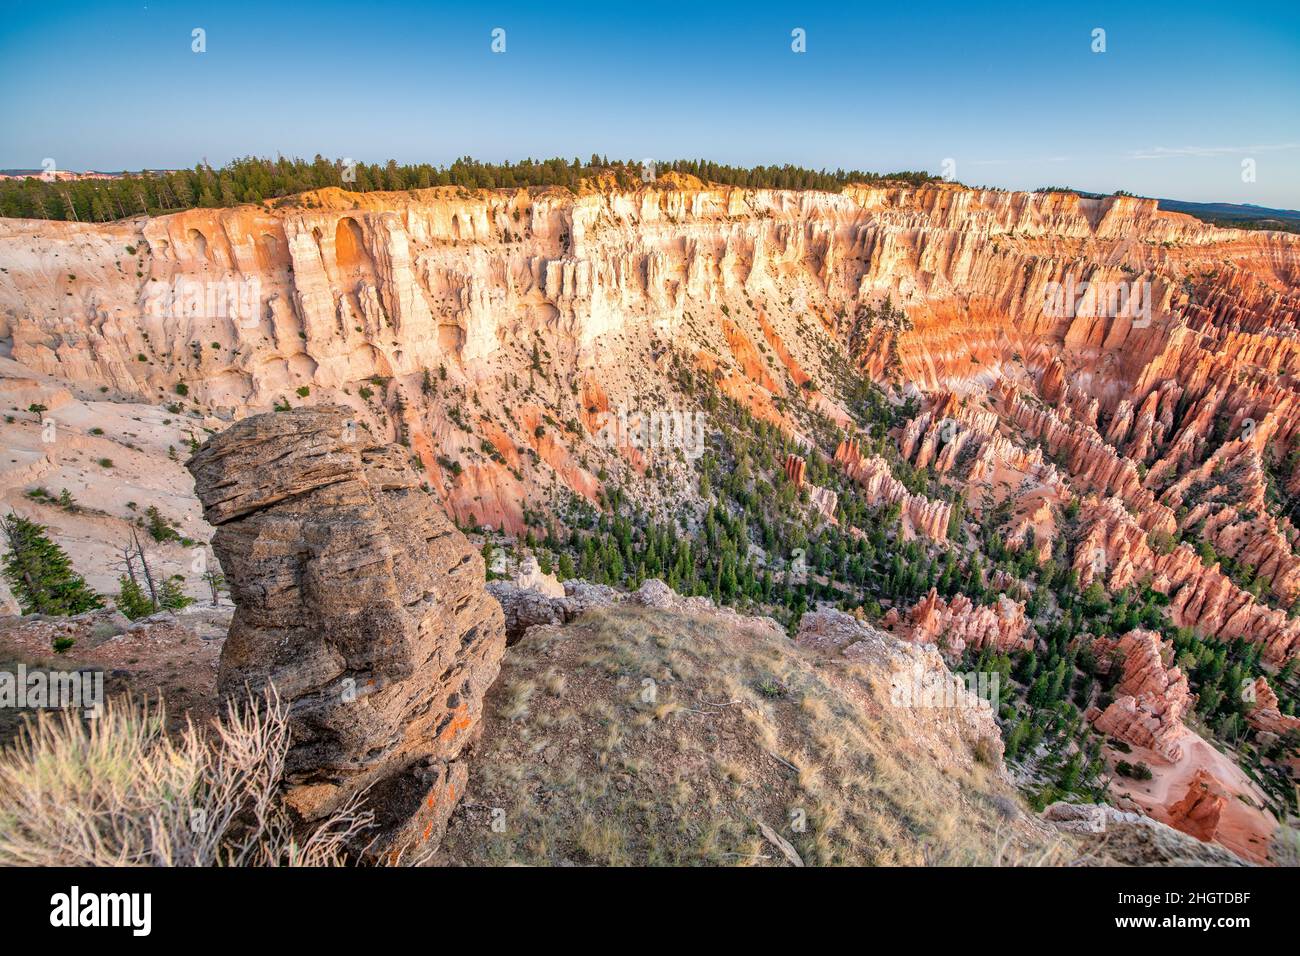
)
(1011, 92)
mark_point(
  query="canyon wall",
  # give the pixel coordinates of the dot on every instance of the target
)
(350, 286)
(491, 334)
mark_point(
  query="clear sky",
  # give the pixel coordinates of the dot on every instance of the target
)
(1012, 93)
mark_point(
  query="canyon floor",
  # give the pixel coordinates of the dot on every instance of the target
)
(1050, 441)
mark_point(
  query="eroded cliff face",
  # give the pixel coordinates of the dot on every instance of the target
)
(331, 289)
(509, 340)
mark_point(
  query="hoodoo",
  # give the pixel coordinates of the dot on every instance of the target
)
(365, 607)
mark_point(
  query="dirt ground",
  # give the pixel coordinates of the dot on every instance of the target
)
(166, 656)
(1244, 828)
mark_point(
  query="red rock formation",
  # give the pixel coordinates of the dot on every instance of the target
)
(795, 467)
(1092, 463)
(920, 514)
(1115, 549)
(1264, 715)
(356, 286)
(1053, 385)
(999, 454)
(960, 624)
(751, 362)
(1150, 698)
(1198, 812)
(1228, 494)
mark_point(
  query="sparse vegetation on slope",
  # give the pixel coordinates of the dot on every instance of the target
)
(637, 736)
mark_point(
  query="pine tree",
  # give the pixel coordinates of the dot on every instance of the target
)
(40, 573)
(131, 599)
(172, 595)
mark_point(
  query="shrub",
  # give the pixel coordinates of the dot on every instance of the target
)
(158, 527)
(1137, 771)
(986, 751)
(172, 594)
(182, 389)
(118, 791)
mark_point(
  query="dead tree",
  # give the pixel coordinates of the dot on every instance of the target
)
(127, 561)
(144, 565)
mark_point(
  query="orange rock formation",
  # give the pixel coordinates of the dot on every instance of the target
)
(1150, 697)
(959, 624)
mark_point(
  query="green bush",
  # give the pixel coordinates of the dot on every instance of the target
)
(131, 599)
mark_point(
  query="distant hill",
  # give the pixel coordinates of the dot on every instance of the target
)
(1225, 214)
(1237, 215)
(59, 175)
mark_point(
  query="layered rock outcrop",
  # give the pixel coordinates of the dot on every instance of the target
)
(1150, 696)
(1198, 812)
(365, 608)
(959, 624)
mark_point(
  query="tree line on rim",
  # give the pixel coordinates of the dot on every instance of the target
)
(254, 179)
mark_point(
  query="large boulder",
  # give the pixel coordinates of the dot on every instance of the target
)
(365, 607)
(525, 608)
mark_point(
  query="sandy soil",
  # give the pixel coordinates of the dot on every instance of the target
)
(66, 446)
(1244, 828)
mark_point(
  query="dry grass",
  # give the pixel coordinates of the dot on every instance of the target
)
(117, 790)
(740, 726)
